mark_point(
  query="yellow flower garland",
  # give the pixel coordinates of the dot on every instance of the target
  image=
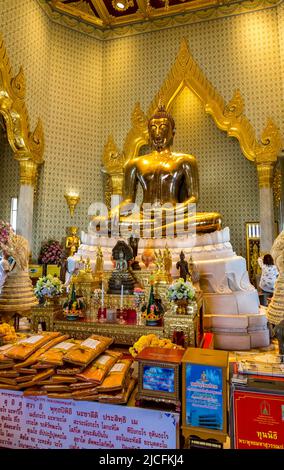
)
(151, 341)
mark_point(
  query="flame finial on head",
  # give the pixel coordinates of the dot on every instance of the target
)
(161, 112)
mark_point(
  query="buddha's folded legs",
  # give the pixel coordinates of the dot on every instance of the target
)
(162, 227)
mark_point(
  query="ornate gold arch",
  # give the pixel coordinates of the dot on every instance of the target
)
(229, 117)
(27, 146)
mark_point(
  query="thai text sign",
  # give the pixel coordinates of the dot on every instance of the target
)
(258, 420)
(46, 423)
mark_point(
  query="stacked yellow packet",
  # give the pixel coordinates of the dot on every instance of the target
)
(88, 350)
(99, 368)
(27, 346)
(55, 355)
(116, 377)
(120, 397)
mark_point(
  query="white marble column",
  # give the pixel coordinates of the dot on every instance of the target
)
(266, 209)
(28, 175)
(266, 219)
(25, 212)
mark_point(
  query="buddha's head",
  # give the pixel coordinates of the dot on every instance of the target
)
(161, 127)
(73, 230)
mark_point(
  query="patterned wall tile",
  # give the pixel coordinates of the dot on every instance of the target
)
(9, 177)
(280, 18)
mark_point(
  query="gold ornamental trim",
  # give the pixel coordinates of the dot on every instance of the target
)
(28, 172)
(26, 145)
(147, 18)
(265, 172)
(230, 117)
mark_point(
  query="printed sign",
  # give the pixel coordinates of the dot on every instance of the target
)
(258, 420)
(204, 396)
(44, 423)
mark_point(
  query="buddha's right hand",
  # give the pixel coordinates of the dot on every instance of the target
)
(126, 209)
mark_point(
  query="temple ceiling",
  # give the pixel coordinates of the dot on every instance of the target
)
(107, 19)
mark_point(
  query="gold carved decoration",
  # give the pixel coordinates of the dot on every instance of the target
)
(113, 162)
(28, 172)
(230, 117)
(265, 174)
(78, 15)
(27, 146)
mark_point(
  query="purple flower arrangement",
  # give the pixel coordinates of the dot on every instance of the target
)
(5, 232)
(51, 253)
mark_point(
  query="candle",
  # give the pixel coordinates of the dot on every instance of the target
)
(121, 297)
(102, 296)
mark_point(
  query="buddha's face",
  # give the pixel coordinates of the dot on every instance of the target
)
(161, 133)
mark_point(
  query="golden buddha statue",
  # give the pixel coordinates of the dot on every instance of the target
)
(170, 186)
(72, 241)
(166, 177)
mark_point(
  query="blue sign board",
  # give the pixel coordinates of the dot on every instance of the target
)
(204, 396)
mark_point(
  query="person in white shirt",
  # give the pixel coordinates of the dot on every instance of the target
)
(269, 274)
(5, 267)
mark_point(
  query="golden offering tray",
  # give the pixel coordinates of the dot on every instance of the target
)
(121, 333)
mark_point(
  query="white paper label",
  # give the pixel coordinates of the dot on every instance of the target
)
(91, 343)
(7, 346)
(32, 339)
(103, 359)
(117, 368)
(64, 345)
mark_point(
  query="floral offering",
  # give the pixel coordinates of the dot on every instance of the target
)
(181, 290)
(5, 232)
(151, 341)
(51, 253)
(48, 286)
(139, 295)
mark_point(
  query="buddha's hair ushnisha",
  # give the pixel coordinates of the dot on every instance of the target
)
(161, 112)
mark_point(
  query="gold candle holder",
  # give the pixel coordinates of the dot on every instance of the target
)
(72, 201)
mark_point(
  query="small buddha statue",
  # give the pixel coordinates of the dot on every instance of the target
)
(182, 266)
(194, 276)
(133, 243)
(160, 276)
(168, 262)
(99, 267)
(159, 261)
(72, 241)
(120, 263)
(122, 254)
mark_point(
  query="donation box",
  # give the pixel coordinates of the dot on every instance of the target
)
(204, 397)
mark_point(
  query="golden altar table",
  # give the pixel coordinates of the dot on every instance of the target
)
(123, 333)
